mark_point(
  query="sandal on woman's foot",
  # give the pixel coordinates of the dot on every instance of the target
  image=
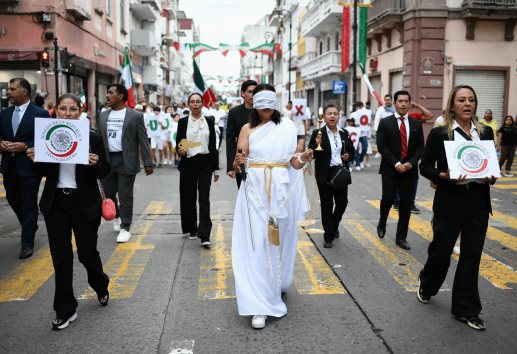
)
(103, 300)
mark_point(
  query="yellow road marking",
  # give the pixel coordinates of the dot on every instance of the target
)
(127, 263)
(214, 270)
(2, 194)
(499, 274)
(312, 275)
(505, 186)
(501, 237)
(25, 280)
(401, 265)
(507, 179)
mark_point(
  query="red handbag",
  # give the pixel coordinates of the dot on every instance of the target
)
(108, 206)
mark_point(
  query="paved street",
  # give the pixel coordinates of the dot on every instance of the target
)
(170, 296)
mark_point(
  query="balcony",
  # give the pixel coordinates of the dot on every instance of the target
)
(152, 75)
(323, 17)
(143, 42)
(80, 9)
(144, 12)
(385, 14)
(493, 9)
(327, 64)
(154, 3)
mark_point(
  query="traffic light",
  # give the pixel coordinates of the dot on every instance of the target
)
(45, 59)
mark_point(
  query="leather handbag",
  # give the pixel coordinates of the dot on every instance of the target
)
(109, 211)
(340, 178)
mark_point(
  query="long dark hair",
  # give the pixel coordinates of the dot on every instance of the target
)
(254, 117)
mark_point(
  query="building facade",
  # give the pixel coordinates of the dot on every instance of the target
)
(428, 47)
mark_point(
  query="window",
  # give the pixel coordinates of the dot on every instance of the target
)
(122, 17)
(321, 48)
(328, 44)
(108, 8)
(336, 44)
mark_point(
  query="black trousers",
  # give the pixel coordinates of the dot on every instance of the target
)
(390, 184)
(472, 222)
(118, 183)
(65, 216)
(22, 196)
(333, 206)
(196, 176)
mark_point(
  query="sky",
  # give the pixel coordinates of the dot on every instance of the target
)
(222, 21)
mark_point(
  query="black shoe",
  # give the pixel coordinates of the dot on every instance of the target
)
(381, 230)
(205, 243)
(420, 294)
(336, 235)
(414, 209)
(403, 244)
(192, 236)
(61, 323)
(473, 322)
(327, 245)
(103, 300)
(396, 205)
(25, 253)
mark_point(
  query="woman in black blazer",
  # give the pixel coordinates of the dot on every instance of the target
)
(337, 150)
(196, 167)
(71, 202)
(460, 206)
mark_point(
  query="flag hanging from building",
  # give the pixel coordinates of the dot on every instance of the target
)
(363, 24)
(208, 95)
(82, 97)
(345, 40)
(127, 78)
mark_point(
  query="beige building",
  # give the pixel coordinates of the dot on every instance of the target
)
(428, 47)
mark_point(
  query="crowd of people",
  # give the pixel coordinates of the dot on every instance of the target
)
(267, 154)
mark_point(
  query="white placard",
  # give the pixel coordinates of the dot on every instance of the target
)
(154, 126)
(475, 159)
(61, 140)
(299, 109)
(354, 133)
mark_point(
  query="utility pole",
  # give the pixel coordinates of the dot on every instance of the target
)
(56, 67)
(354, 65)
(290, 55)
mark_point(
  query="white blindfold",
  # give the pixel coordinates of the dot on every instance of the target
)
(264, 100)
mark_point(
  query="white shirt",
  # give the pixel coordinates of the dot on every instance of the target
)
(66, 176)
(114, 129)
(21, 109)
(336, 146)
(439, 121)
(380, 114)
(197, 130)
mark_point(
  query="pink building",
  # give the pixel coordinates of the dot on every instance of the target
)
(428, 47)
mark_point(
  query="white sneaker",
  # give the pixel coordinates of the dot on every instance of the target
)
(258, 321)
(116, 225)
(368, 165)
(357, 168)
(508, 174)
(123, 236)
(362, 165)
(377, 155)
(456, 250)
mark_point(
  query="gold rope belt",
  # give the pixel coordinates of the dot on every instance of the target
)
(270, 166)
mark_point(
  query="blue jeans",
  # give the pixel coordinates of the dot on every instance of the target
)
(364, 146)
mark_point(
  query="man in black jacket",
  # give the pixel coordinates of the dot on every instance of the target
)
(400, 141)
(237, 118)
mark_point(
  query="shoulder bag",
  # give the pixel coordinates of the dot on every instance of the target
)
(341, 176)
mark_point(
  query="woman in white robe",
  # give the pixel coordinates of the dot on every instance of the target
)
(273, 188)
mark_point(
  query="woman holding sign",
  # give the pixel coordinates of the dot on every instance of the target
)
(199, 159)
(71, 202)
(460, 206)
(337, 151)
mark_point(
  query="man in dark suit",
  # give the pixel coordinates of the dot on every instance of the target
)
(237, 117)
(124, 134)
(400, 141)
(20, 182)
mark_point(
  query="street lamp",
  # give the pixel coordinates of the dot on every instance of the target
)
(282, 14)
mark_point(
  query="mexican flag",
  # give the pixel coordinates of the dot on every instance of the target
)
(199, 48)
(208, 95)
(82, 97)
(127, 78)
(266, 48)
